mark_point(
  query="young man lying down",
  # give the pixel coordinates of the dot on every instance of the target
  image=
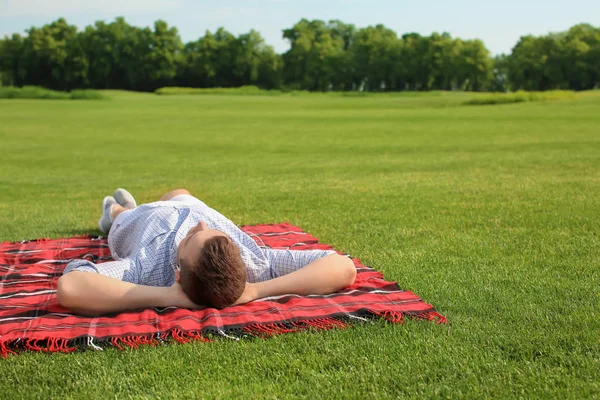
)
(180, 252)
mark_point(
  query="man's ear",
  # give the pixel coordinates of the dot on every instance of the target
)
(177, 276)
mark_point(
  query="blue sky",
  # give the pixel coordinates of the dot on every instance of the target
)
(498, 24)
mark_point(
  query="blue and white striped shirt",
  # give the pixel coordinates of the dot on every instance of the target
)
(144, 244)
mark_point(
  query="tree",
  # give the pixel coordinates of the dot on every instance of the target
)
(474, 66)
(564, 60)
(344, 77)
(209, 60)
(432, 61)
(254, 63)
(412, 48)
(377, 58)
(12, 63)
(163, 54)
(109, 51)
(581, 57)
(313, 59)
(270, 69)
(54, 58)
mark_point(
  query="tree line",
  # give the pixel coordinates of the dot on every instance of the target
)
(322, 56)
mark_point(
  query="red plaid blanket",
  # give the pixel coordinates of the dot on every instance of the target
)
(31, 318)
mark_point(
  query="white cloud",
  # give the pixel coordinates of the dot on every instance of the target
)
(52, 8)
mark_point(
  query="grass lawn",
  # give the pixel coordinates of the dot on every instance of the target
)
(490, 213)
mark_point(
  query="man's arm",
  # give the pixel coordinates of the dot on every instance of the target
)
(323, 276)
(88, 293)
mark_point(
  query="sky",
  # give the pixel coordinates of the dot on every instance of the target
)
(498, 24)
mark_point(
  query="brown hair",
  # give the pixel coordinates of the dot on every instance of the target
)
(217, 276)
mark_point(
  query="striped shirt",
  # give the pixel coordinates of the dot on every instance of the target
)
(144, 242)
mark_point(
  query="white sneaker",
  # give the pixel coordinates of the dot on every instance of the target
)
(106, 220)
(124, 198)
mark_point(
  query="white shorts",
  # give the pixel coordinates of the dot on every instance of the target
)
(186, 198)
(182, 198)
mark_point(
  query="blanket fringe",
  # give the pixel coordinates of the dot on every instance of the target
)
(176, 334)
(5, 352)
(55, 345)
(398, 317)
(268, 330)
(432, 316)
(390, 316)
(186, 337)
(52, 345)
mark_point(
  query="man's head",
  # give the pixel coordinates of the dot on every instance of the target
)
(212, 270)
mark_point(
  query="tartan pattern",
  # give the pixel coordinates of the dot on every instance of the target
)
(31, 318)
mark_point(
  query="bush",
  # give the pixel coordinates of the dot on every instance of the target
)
(31, 92)
(36, 92)
(256, 91)
(520, 97)
(86, 94)
(243, 90)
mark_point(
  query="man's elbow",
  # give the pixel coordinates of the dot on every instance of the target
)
(66, 293)
(63, 291)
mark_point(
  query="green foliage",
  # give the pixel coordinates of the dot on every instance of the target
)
(489, 213)
(244, 90)
(520, 97)
(377, 54)
(31, 92)
(222, 60)
(86, 94)
(449, 98)
(35, 92)
(127, 57)
(316, 56)
(569, 60)
(323, 56)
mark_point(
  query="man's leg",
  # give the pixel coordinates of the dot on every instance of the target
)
(116, 210)
(173, 193)
(110, 210)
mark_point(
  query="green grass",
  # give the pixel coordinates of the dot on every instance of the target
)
(520, 96)
(490, 213)
(36, 92)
